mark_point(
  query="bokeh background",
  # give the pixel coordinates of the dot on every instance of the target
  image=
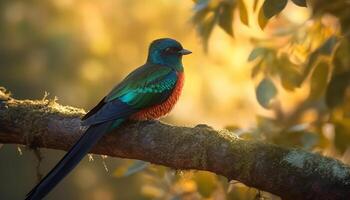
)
(284, 80)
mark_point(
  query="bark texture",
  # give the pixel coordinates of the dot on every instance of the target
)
(290, 173)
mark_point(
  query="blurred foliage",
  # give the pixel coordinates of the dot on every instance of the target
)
(296, 54)
(312, 55)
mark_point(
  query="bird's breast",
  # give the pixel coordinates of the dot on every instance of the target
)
(164, 108)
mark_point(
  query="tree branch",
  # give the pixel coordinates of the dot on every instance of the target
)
(289, 173)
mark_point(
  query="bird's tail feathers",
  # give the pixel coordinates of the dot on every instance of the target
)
(71, 159)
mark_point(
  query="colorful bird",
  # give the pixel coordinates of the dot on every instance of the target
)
(148, 92)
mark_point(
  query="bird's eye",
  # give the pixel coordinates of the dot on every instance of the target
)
(171, 50)
(168, 50)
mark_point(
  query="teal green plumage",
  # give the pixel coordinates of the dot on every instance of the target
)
(148, 92)
(146, 80)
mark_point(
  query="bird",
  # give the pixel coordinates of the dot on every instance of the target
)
(148, 92)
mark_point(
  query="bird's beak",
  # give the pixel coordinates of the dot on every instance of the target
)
(184, 52)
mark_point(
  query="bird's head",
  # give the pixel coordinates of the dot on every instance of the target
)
(167, 52)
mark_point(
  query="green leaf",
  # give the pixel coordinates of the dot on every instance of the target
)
(255, 53)
(205, 29)
(226, 17)
(201, 5)
(262, 20)
(301, 3)
(201, 12)
(199, 19)
(319, 80)
(265, 91)
(328, 46)
(243, 12)
(273, 7)
(336, 89)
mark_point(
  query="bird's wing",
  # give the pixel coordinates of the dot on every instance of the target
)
(147, 86)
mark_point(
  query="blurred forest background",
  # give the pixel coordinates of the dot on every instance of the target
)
(273, 70)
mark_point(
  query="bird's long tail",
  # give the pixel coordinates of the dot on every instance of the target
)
(71, 159)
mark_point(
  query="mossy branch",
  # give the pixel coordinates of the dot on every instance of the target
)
(289, 173)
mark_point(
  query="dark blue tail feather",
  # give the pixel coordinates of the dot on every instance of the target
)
(92, 135)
